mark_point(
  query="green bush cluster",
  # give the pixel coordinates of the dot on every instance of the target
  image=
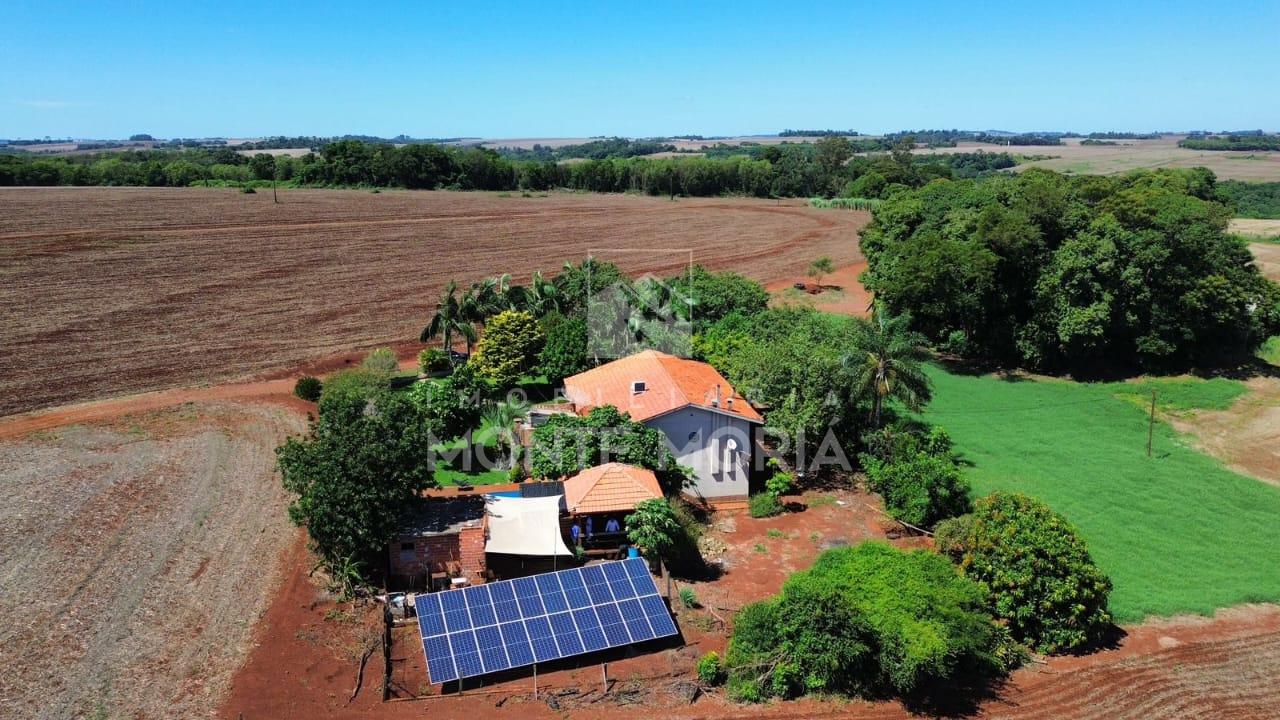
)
(433, 361)
(763, 505)
(1037, 571)
(710, 668)
(868, 620)
(916, 473)
(509, 348)
(308, 388)
(453, 406)
(381, 360)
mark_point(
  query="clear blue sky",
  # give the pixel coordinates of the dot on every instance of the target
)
(546, 69)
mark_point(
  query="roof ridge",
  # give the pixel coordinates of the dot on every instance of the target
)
(661, 359)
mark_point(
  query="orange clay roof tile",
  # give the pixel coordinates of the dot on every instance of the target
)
(612, 487)
(670, 383)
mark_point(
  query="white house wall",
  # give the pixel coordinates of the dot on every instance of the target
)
(716, 446)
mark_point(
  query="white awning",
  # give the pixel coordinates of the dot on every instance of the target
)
(525, 526)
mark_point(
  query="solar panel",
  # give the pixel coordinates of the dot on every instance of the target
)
(513, 623)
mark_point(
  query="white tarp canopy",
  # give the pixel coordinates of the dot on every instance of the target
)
(525, 526)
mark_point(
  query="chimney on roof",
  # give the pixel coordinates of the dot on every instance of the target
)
(716, 402)
(729, 404)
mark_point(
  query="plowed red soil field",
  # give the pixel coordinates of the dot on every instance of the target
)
(114, 290)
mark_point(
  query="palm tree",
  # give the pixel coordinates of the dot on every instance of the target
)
(451, 317)
(539, 297)
(887, 363)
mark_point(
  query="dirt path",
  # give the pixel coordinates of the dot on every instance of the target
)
(1245, 436)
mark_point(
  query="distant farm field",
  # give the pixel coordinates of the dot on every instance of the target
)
(1072, 157)
(113, 290)
(1177, 532)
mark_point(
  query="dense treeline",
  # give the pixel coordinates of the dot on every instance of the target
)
(1047, 139)
(1251, 200)
(1111, 135)
(1087, 274)
(1231, 142)
(827, 168)
(819, 133)
(601, 149)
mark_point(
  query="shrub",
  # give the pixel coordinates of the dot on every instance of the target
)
(308, 388)
(382, 360)
(1038, 573)
(433, 361)
(566, 444)
(920, 489)
(516, 473)
(248, 190)
(509, 348)
(357, 381)
(867, 620)
(711, 670)
(452, 405)
(688, 597)
(779, 484)
(763, 505)
(950, 535)
(653, 528)
(565, 351)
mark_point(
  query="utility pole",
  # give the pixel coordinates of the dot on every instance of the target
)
(1151, 423)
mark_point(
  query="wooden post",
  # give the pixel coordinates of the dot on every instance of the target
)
(386, 652)
(604, 678)
(535, 681)
(1151, 423)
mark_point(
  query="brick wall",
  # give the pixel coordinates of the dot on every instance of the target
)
(471, 553)
(438, 553)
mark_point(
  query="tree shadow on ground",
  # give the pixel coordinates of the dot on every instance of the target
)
(963, 696)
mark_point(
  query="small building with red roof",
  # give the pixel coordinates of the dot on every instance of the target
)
(708, 424)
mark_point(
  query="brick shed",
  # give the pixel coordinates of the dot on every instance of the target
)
(440, 538)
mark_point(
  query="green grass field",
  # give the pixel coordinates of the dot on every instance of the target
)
(1177, 532)
(1270, 351)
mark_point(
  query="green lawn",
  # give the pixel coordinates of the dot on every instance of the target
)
(1177, 532)
(1270, 351)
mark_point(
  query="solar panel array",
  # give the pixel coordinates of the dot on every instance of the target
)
(512, 623)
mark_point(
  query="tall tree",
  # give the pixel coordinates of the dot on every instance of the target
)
(364, 458)
(452, 316)
(887, 363)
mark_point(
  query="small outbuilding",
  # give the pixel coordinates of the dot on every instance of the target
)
(440, 544)
(598, 500)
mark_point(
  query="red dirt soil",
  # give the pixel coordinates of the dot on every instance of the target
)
(841, 292)
(118, 290)
(303, 666)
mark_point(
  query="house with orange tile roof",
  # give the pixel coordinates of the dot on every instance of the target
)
(709, 426)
